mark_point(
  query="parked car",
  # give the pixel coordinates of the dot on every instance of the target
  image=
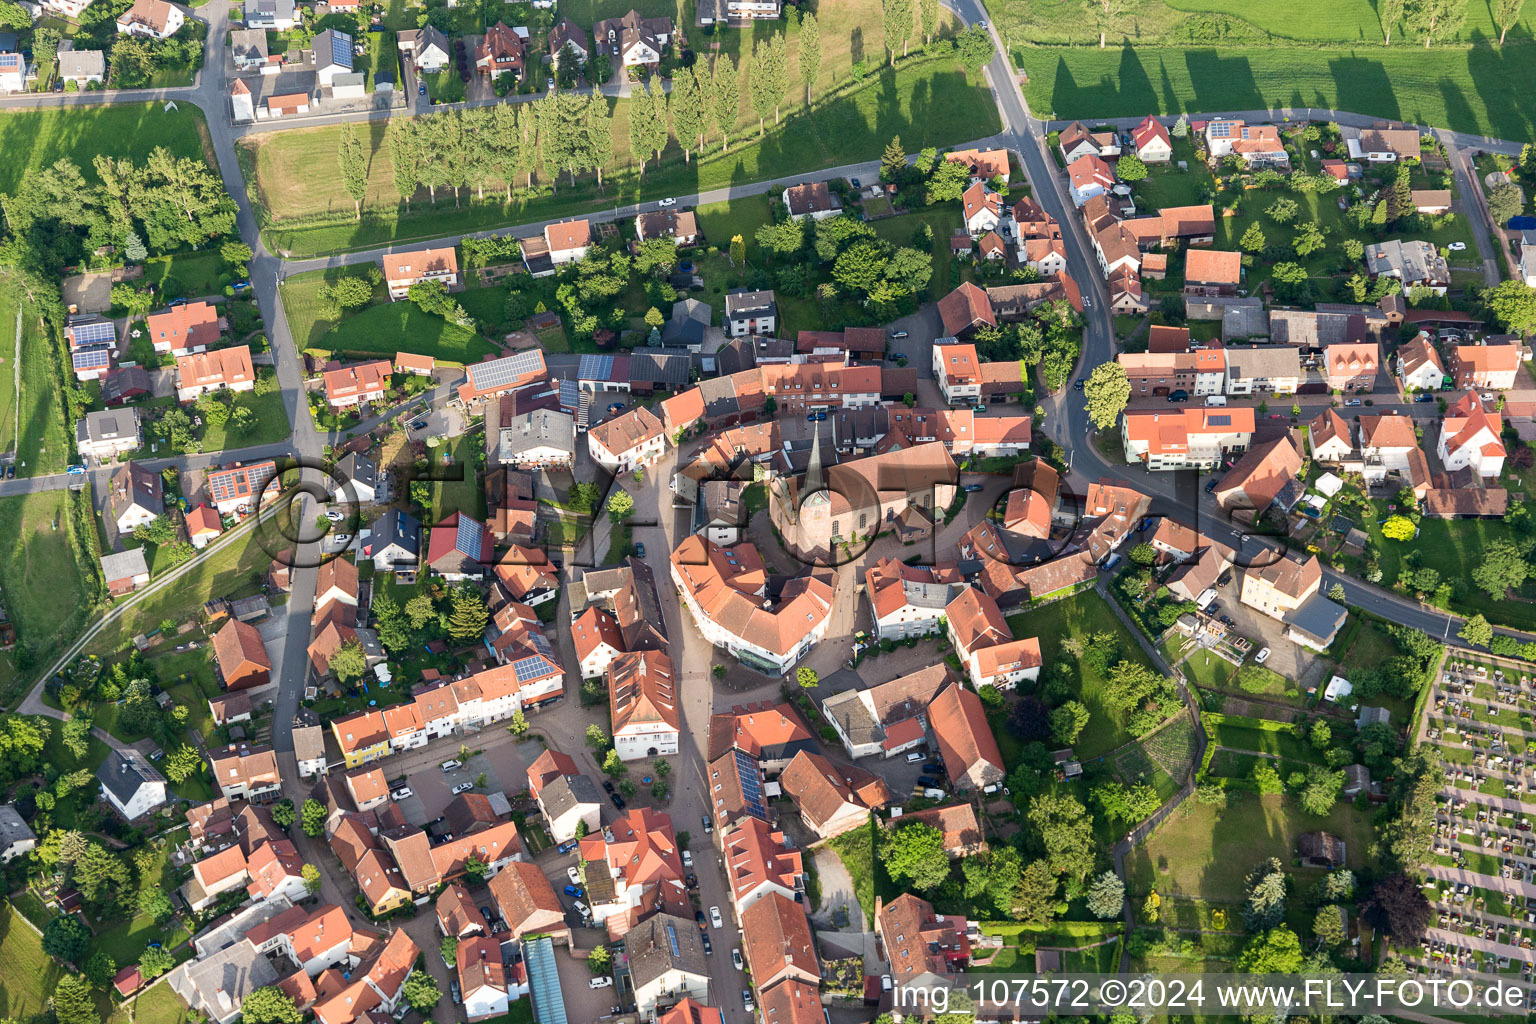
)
(687, 859)
(607, 786)
(1210, 486)
(403, 793)
(567, 847)
(736, 959)
(692, 881)
(421, 88)
(1178, 396)
(618, 801)
(335, 516)
(453, 991)
(1262, 656)
(448, 766)
(714, 917)
(973, 488)
(665, 203)
(1224, 579)
(932, 767)
(746, 1000)
(1351, 402)
(581, 908)
(639, 550)
(1078, 384)
(854, 182)
(709, 947)
(1423, 396)
(1457, 246)
(574, 890)
(898, 334)
(603, 982)
(708, 825)
(927, 780)
(698, 915)
(914, 757)
(573, 874)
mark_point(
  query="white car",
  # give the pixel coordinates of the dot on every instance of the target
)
(449, 766)
(687, 859)
(1457, 246)
(604, 982)
(581, 908)
(573, 875)
(335, 517)
(736, 959)
(1262, 656)
(665, 203)
(403, 793)
(746, 1000)
(714, 917)
(463, 787)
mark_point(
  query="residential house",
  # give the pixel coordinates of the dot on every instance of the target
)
(776, 938)
(1281, 585)
(966, 744)
(1351, 367)
(1330, 437)
(958, 823)
(240, 658)
(482, 977)
(1267, 474)
(152, 19)
(1200, 372)
(501, 52)
(1471, 437)
(13, 72)
(1077, 141)
(242, 771)
(919, 944)
(633, 868)
(831, 800)
(909, 600)
(1153, 143)
(334, 55)
(965, 309)
(83, 67)
(1047, 256)
(1264, 369)
(1386, 445)
(888, 719)
(982, 210)
(359, 384)
(457, 915)
(396, 541)
(1419, 366)
(1186, 438)
(1417, 264)
(597, 640)
(538, 439)
(106, 434)
(403, 269)
(1486, 367)
(273, 14)
(459, 548)
(308, 743)
(760, 861)
(750, 312)
(248, 48)
(428, 48)
(810, 199)
(559, 244)
(1089, 176)
(16, 839)
(633, 439)
(680, 226)
(986, 165)
(976, 627)
(367, 787)
(361, 737)
(565, 796)
(1382, 145)
(636, 41)
(527, 902)
(643, 705)
(226, 368)
(124, 571)
(131, 784)
(955, 365)
(125, 384)
(567, 37)
(1433, 201)
(136, 497)
(1258, 145)
(1210, 272)
(666, 962)
(204, 526)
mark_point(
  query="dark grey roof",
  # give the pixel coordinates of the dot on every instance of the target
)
(568, 791)
(125, 381)
(667, 370)
(107, 425)
(124, 565)
(13, 828)
(743, 301)
(663, 943)
(1318, 617)
(357, 466)
(125, 773)
(140, 487)
(734, 356)
(396, 527)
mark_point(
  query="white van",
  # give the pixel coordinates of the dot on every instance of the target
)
(1215, 400)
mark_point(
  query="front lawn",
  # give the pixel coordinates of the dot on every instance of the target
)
(718, 222)
(1206, 852)
(444, 86)
(393, 327)
(1081, 616)
(1207, 669)
(191, 275)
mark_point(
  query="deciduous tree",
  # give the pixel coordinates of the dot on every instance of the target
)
(1435, 18)
(725, 98)
(353, 165)
(270, 1005)
(1396, 905)
(809, 48)
(1106, 392)
(913, 854)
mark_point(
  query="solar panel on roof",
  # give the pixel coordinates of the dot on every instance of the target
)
(1222, 420)
(530, 668)
(596, 368)
(341, 49)
(541, 644)
(90, 358)
(469, 536)
(751, 785)
(97, 333)
(672, 940)
(500, 372)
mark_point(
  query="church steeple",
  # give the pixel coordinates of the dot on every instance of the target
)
(814, 478)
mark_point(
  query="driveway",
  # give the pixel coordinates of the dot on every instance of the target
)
(837, 892)
(921, 327)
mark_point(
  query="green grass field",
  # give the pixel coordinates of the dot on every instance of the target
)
(43, 594)
(1080, 616)
(1476, 89)
(196, 272)
(465, 495)
(307, 213)
(720, 221)
(391, 327)
(27, 975)
(271, 423)
(1454, 549)
(1207, 852)
(39, 435)
(36, 138)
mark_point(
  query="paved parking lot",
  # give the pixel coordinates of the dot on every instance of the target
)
(432, 787)
(1286, 657)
